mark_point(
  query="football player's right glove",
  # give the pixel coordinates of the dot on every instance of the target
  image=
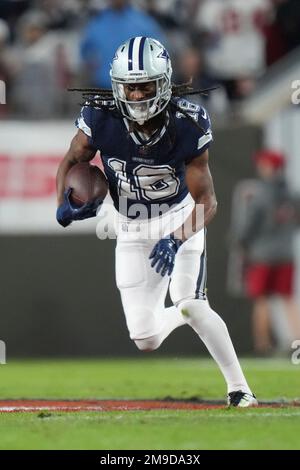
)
(67, 212)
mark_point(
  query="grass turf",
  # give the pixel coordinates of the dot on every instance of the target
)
(262, 428)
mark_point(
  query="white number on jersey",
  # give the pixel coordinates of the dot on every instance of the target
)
(191, 108)
(149, 182)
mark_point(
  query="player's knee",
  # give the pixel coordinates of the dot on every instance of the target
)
(141, 323)
(148, 344)
(194, 309)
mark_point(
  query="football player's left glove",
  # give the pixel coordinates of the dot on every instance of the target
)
(66, 213)
(163, 254)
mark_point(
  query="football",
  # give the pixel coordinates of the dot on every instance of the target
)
(87, 183)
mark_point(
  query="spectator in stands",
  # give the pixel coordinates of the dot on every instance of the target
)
(40, 68)
(4, 38)
(11, 10)
(267, 241)
(235, 41)
(4, 65)
(173, 16)
(191, 68)
(282, 34)
(64, 15)
(106, 31)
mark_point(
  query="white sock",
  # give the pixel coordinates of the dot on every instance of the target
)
(213, 332)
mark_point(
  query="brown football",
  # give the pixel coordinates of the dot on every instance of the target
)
(87, 183)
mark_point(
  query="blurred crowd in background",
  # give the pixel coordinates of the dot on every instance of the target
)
(47, 46)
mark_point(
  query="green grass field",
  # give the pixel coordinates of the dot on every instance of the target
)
(262, 428)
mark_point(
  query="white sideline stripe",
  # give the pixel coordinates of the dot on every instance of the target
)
(50, 408)
(11, 409)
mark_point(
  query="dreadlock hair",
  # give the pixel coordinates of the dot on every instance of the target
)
(102, 98)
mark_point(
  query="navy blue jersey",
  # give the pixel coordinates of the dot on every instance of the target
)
(144, 172)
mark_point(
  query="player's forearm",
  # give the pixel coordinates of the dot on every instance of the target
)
(66, 164)
(79, 151)
(204, 211)
(210, 211)
(200, 185)
(63, 169)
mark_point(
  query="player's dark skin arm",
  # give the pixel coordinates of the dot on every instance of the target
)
(200, 184)
(79, 151)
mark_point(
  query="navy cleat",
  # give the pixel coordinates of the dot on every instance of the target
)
(241, 399)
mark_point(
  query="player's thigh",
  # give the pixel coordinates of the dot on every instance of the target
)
(190, 273)
(131, 265)
(142, 290)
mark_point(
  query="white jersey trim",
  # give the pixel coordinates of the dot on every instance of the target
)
(204, 140)
(82, 125)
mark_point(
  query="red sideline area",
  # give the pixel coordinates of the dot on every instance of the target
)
(12, 406)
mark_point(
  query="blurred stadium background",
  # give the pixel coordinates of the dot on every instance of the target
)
(58, 294)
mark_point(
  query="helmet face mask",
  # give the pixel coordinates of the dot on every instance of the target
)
(141, 61)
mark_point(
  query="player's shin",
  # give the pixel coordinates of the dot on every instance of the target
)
(214, 333)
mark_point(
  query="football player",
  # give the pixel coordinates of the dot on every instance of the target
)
(154, 149)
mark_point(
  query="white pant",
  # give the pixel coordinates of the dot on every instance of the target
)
(143, 291)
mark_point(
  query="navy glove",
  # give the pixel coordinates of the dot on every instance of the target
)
(67, 212)
(163, 254)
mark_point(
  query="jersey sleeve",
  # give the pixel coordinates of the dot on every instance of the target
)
(86, 123)
(197, 135)
(206, 136)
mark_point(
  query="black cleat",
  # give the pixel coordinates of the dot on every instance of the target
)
(241, 399)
